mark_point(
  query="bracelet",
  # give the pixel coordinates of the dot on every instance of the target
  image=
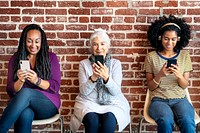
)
(90, 78)
(38, 82)
(155, 82)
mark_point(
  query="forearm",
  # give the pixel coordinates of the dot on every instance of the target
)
(154, 82)
(43, 84)
(18, 85)
(183, 83)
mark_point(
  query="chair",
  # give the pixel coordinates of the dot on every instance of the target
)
(51, 120)
(147, 118)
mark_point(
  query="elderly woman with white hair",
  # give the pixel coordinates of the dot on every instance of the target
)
(100, 105)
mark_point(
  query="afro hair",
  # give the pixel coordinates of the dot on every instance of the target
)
(156, 29)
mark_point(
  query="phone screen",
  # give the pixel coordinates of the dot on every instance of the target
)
(99, 58)
(171, 61)
(24, 65)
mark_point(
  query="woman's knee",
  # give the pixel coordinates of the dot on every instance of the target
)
(91, 119)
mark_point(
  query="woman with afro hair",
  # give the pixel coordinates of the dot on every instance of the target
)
(167, 82)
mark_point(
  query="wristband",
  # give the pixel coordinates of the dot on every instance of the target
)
(90, 78)
(38, 82)
(155, 82)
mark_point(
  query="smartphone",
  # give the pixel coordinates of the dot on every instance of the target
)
(99, 58)
(171, 61)
(24, 65)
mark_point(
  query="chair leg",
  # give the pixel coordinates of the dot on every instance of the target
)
(140, 124)
(61, 124)
(130, 127)
(197, 128)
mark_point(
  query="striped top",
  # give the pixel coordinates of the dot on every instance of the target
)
(168, 87)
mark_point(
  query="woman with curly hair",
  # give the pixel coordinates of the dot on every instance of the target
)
(34, 93)
(167, 83)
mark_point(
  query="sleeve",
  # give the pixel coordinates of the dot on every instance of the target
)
(10, 81)
(115, 79)
(148, 64)
(188, 63)
(85, 86)
(55, 78)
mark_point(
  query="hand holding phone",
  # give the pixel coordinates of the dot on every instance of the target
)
(99, 58)
(24, 65)
(171, 61)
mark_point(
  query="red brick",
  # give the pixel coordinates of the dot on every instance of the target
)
(3, 35)
(39, 19)
(21, 3)
(136, 35)
(79, 11)
(83, 19)
(121, 27)
(75, 43)
(129, 19)
(53, 27)
(15, 18)
(102, 11)
(68, 3)
(142, 3)
(106, 19)
(50, 19)
(125, 12)
(169, 4)
(4, 3)
(9, 11)
(68, 35)
(83, 51)
(149, 11)
(95, 19)
(174, 11)
(27, 19)
(8, 42)
(45, 3)
(92, 4)
(56, 11)
(64, 51)
(14, 34)
(4, 18)
(33, 11)
(76, 27)
(121, 43)
(116, 4)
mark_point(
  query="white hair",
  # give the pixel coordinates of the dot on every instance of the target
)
(100, 33)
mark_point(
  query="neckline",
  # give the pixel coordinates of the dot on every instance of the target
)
(166, 57)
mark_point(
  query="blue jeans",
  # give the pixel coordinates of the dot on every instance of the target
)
(99, 123)
(165, 111)
(28, 104)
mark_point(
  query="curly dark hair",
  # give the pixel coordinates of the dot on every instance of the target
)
(155, 30)
(42, 65)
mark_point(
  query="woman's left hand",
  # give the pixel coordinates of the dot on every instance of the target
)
(32, 76)
(102, 71)
(175, 70)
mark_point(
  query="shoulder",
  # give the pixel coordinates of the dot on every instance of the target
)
(13, 57)
(184, 52)
(115, 61)
(152, 53)
(53, 56)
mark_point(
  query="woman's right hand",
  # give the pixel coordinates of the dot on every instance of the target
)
(164, 70)
(21, 75)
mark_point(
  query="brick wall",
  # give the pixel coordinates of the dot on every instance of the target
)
(68, 25)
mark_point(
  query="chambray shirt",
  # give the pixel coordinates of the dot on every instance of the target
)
(52, 92)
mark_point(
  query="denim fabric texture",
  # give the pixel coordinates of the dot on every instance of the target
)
(28, 104)
(166, 112)
(99, 123)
